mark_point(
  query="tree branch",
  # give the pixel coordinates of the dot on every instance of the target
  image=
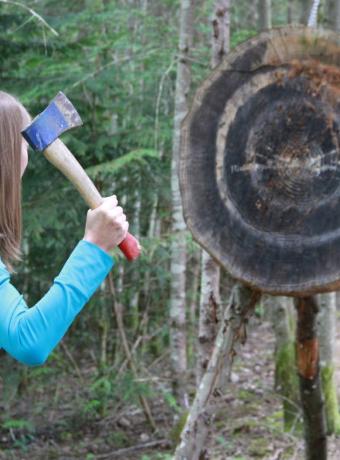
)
(33, 13)
(232, 330)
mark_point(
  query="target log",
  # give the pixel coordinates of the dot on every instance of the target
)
(260, 162)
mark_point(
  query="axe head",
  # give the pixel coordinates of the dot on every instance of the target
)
(58, 117)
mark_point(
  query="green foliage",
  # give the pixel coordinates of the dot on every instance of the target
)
(171, 401)
(90, 457)
(21, 430)
(113, 167)
(106, 389)
(259, 447)
(241, 35)
(93, 407)
(112, 74)
(18, 424)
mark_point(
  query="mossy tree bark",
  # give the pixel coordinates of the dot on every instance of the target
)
(327, 338)
(309, 377)
(286, 380)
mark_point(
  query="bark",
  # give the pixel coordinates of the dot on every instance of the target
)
(337, 300)
(209, 315)
(178, 246)
(195, 288)
(290, 12)
(221, 32)
(306, 7)
(313, 15)
(134, 302)
(333, 14)
(265, 14)
(309, 378)
(251, 16)
(232, 330)
(193, 300)
(286, 381)
(210, 279)
(327, 338)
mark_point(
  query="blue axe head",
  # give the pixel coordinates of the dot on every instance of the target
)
(58, 117)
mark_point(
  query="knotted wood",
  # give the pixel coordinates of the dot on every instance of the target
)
(259, 169)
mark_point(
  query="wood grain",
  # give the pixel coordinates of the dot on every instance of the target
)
(260, 162)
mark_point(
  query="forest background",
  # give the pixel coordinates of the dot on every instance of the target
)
(117, 62)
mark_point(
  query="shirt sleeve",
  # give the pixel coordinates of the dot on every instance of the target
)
(30, 334)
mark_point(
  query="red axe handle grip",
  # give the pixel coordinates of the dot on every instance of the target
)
(60, 156)
(130, 247)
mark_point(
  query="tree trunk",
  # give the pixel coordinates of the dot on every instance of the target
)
(333, 14)
(309, 377)
(337, 294)
(306, 8)
(286, 381)
(265, 14)
(210, 279)
(327, 337)
(178, 246)
(208, 316)
(221, 32)
(290, 12)
(193, 291)
(135, 227)
(232, 330)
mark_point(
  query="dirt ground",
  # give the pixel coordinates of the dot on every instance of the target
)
(248, 424)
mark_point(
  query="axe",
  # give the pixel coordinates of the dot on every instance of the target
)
(42, 135)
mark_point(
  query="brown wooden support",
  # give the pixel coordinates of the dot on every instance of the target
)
(309, 377)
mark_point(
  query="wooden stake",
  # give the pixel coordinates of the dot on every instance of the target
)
(309, 377)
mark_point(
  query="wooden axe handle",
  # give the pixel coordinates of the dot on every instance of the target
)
(60, 156)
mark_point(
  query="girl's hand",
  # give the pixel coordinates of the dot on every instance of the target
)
(106, 226)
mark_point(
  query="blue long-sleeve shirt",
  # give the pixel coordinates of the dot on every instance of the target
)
(30, 334)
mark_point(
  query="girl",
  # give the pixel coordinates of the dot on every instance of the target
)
(30, 334)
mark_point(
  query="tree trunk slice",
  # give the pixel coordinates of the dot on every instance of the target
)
(260, 162)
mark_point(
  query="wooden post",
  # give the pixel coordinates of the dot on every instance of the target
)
(309, 377)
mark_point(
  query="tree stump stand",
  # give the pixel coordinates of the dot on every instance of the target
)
(260, 180)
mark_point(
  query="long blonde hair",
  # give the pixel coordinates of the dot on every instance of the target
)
(13, 118)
